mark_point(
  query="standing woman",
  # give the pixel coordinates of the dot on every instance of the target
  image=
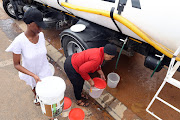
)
(79, 65)
(30, 45)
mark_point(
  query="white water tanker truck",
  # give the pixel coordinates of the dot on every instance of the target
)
(149, 27)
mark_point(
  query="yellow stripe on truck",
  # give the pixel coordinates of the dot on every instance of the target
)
(126, 23)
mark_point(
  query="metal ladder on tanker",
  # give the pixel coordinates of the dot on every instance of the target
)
(168, 79)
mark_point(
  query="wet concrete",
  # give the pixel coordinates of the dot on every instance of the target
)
(135, 88)
(9, 27)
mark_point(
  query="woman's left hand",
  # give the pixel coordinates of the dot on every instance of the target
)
(37, 79)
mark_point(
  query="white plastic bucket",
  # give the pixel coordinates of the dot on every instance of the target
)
(52, 69)
(99, 86)
(50, 94)
(113, 80)
(67, 107)
(95, 92)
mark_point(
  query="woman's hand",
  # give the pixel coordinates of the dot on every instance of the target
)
(103, 77)
(37, 79)
(91, 82)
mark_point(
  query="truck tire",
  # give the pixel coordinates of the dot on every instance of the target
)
(8, 7)
(72, 45)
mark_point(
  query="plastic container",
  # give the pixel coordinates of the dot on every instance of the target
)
(50, 94)
(67, 107)
(113, 79)
(99, 86)
(52, 69)
(76, 114)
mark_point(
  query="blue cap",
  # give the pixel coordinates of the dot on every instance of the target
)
(34, 15)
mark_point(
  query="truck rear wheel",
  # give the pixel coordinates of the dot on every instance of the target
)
(72, 45)
(8, 7)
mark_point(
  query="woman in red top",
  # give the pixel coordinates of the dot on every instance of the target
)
(79, 65)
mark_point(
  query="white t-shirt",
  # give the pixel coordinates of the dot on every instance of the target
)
(33, 55)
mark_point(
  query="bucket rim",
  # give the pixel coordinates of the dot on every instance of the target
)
(114, 81)
(67, 103)
(95, 88)
(99, 83)
(113, 73)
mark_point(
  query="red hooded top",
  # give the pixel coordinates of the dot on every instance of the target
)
(88, 61)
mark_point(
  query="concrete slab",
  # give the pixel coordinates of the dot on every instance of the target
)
(61, 61)
(51, 49)
(118, 108)
(112, 113)
(53, 53)
(105, 99)
(6, 63)
(47, 43)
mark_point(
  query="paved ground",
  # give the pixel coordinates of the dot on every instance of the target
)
(132, 94)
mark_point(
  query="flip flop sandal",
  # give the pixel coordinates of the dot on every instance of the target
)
(36, 102)
(84, 96)
(83, 103)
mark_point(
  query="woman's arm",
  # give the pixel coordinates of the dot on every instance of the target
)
(16, 60)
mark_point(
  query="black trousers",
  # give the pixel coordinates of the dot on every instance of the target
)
(75, 78)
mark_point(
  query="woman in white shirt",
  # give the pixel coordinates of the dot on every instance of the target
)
(30, 45)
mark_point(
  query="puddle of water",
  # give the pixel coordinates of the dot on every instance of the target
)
(137, 107)
(10, 28)
(136, 88)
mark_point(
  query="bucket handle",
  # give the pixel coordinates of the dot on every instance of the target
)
(41, 104)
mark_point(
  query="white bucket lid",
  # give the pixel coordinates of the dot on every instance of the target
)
(51, 89)
(78, 27)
